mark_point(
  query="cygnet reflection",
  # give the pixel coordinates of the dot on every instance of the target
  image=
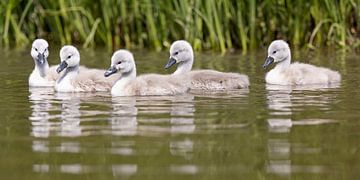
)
(41, 100)
(70, 114)
(123, 116)
(182, 114)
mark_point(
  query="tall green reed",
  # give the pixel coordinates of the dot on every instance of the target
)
(206, 24)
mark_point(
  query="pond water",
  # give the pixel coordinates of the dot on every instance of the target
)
(265, 132)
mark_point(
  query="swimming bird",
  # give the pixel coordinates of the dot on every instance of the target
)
(79, 80)
(128, 84)
(296, 73)
(42, 75)
(181, 53)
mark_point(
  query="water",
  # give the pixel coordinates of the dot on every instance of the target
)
(266, 132)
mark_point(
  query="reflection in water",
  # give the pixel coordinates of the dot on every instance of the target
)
(118, 170)
(123, 116)
(123, 122)
(174, 115)
(182, 114)
(183, 148)
(44, 108)
(282, 102)
(182, 121)
(279, 104)
(44, 123)
(70, 114)
(184, 169)
(124, 170)
(68, 147)
(41, 99)
(166, 114)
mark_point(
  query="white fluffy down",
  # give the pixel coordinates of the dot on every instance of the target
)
(302, 74)
(154, 85)
(215, 80)
(296, 73)
(36, 80)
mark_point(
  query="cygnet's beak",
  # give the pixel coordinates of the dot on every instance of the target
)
(110, 71)
(269, 60)
(41, 58)
(170, 63)
(61, 67)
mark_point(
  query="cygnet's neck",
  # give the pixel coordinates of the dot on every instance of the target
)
(284, 63)
(69, 73)
(123, 82)
(42, 69)
(184, 66)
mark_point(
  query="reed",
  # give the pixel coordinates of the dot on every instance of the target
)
(207, 24)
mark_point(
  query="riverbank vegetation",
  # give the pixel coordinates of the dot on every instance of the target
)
(207, 24)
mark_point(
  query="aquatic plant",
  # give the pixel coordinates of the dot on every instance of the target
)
(206, 24)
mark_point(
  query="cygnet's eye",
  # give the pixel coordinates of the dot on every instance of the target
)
(69, 57)
(36, 49)
(119, 62)
(274, 52)
(176, 53)
(46, 49)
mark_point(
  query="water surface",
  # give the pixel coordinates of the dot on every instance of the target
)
(264, 132)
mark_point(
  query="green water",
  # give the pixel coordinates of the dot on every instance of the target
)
(266, 132)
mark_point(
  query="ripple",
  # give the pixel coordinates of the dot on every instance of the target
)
(184, 169)
(285, 168)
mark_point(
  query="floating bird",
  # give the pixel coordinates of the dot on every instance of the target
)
(181, 53)
(128, 84)
(83, 80)
(296, 73)
(42, 75)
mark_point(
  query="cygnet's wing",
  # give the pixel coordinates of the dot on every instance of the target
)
(92, 80)
(215, 80)
(156, 85)
(302, 74)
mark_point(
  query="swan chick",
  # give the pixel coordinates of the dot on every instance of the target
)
(74, 79)
(182, 55)
(122, 62)
(296, 73)
(42, 75)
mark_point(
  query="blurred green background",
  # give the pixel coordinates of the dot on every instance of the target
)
(207, 24)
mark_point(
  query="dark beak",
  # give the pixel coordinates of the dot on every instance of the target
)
(269, 60)
(61, 67)
(170, 63)
(41, 58)
(110, 71)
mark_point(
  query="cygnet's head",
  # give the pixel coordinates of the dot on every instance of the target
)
(121, 61)
(278, 51)
(69, 56)
(180, 51)
(40, 51)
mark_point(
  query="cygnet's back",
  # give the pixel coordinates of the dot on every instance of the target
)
(128, 84)
(181, 53)
(92, 80)
(156, 84)
(215, 80)
(300, 74)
